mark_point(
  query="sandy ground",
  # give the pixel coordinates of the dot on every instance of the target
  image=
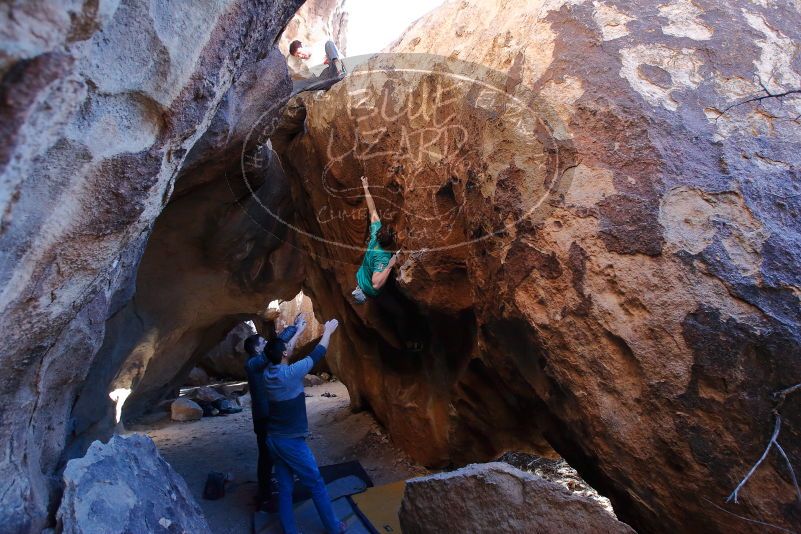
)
(228, 444)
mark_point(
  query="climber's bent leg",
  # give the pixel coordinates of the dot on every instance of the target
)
(331, 51)
(335, 65)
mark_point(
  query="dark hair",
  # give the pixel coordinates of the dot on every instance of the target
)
(251, 342)
(386, 237)
(275, 352)
(293, 47)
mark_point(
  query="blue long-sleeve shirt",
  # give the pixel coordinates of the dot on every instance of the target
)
(254, 368)
(287, 406)
(259, 403)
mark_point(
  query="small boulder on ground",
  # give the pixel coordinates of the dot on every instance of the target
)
(197, 377)
(311, 381)
(183, 409)
(498, 498)
(233, 388)
(126, 486)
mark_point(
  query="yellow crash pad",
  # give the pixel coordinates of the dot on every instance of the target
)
(380, 505)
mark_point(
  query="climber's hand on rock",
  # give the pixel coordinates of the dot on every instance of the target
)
(393, 261)
(330, 326)
(364, 181)
(300, 321)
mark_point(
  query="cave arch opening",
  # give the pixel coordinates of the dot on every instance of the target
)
(219, 251)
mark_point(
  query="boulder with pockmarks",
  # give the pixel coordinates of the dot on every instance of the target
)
(601, 208)
(100, 103)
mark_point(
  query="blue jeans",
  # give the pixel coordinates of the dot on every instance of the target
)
(292, 456)
(331, 53)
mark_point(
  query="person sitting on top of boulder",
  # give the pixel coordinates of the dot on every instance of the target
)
(298, 55)
(255, 346)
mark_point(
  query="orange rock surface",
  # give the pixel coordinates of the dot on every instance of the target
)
(601, 212)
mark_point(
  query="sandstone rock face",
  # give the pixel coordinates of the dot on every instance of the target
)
(197, 377)
(126, 486)
(227, 359)
(183, 409)
(289, 310)
(99, 105)
(498, 498)
(215, 257)
(605, 243)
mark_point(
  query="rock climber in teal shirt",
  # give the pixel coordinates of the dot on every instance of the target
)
(376, 267)
(375, 276)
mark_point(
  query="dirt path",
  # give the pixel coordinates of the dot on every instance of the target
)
(228, 444)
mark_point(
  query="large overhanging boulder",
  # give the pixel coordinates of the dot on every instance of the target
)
(99, 104)
(642, 315)
(216, 257)
(218, 253)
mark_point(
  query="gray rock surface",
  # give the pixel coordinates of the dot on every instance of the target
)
(500, 499)
(312, 380)
(214, 259)
(207, 394)
(100, 102)
(126, 486)
(183, 409)
(227, 358)
(197, 377)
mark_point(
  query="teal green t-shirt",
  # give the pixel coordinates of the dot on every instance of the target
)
(375, 260)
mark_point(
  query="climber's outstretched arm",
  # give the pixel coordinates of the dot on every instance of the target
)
(370, 204)
(300, 326)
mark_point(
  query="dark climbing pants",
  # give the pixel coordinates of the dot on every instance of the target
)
(265, 467)
(331, 53)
